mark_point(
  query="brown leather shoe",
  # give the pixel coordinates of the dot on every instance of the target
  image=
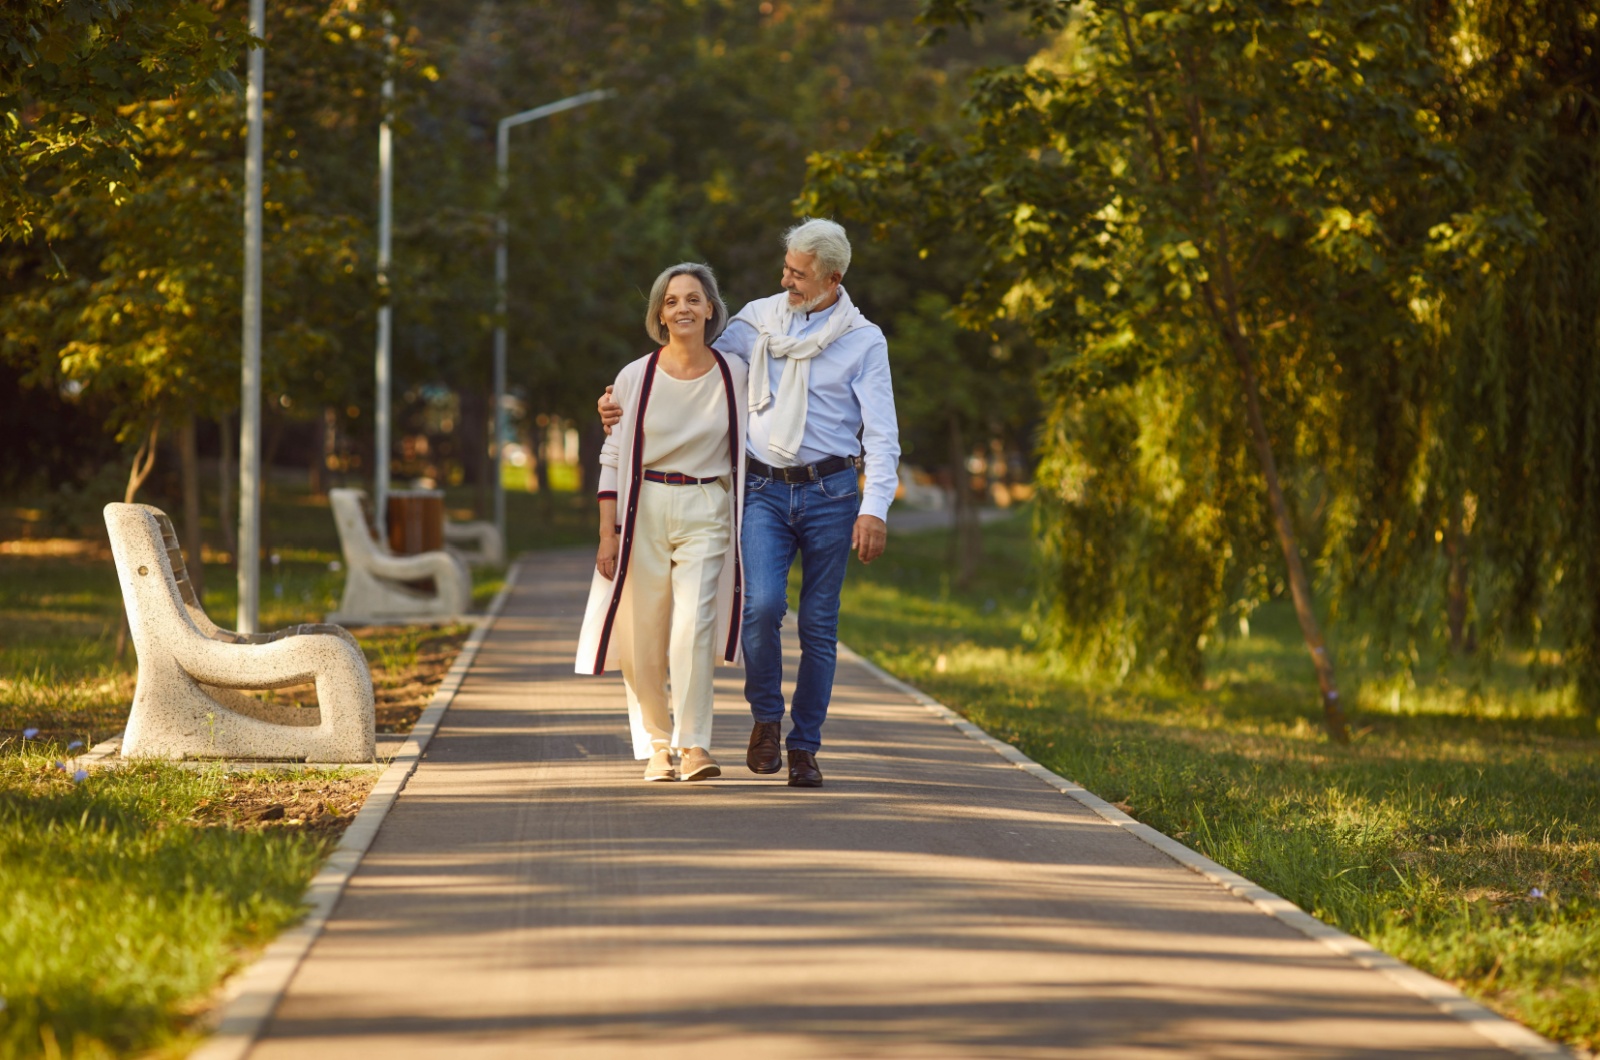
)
(766, 752)
(803, 771)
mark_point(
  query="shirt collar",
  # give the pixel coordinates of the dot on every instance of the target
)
(822, 314)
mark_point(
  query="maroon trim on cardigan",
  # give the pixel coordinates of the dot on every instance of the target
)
(636, 472)
(735, 447)
(606, 495)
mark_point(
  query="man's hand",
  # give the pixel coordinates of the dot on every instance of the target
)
(610, 411)
(869, 537)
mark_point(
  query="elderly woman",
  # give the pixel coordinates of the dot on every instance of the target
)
(666, 598)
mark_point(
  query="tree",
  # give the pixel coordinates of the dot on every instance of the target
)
(1501, 533)
(136, 300)
(71, 71)
(1213, 213)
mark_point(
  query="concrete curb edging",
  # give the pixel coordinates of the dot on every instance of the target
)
(257, 989)
(1507, 1034)
(96, 754)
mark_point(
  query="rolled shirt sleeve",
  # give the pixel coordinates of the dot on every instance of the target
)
(738, 338)
(610, 448)
(880, 430)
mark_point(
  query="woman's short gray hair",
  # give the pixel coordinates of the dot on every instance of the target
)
(823, 239)
(658, 294)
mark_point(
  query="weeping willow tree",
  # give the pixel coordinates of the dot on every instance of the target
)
(1499, 535)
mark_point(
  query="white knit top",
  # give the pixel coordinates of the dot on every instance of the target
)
(686, 426)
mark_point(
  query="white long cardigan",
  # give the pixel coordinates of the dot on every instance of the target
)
(621, 472)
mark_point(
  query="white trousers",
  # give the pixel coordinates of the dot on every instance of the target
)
(667, 624)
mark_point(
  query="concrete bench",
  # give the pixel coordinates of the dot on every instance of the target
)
(914, 494)
(487, 550)
(382, 587)
(190, 700)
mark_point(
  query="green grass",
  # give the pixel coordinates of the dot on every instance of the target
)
(119, 912)
(1460, 831)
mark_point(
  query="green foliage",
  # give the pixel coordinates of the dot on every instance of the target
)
(953, 383)
(1138, 524)
(1377, 226)
(1172, 197)
(133, 300)
(69, 74)
(1507, 388)
(699, 154)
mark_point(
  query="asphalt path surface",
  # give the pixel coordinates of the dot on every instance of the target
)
(530, 894)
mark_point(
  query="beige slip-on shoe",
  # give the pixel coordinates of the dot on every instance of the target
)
(699, 765)
(660, 767)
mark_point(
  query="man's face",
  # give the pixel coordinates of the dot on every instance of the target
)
(806, 288)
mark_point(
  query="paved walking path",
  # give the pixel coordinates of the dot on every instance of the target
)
(529, 895)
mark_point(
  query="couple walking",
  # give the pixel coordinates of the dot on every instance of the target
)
(723, 462)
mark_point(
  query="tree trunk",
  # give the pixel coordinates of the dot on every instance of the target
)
(539, 453)
(144, 462)
(591, 436)
(1228, 319)
(967, 541)
(316, 469)
(1462, 641)
(226, 516)
(193, 538)
(269, 454)
(474, 432)
(1299, 585)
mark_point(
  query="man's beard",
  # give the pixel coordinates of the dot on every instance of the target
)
(808, 306)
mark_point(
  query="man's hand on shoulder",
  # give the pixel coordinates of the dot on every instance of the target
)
(869, 537)
(610, 411)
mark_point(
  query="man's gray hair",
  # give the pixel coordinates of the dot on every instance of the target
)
(658, 294)
(823, 239)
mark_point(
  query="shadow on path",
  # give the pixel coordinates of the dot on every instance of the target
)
(530, 893)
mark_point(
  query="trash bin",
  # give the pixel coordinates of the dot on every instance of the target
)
(416, 521)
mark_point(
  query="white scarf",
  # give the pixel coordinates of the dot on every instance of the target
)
(771, 318)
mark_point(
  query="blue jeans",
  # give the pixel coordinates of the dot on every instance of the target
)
(780, 518)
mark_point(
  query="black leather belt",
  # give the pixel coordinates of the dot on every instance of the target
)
(674, 478)
(803, 473)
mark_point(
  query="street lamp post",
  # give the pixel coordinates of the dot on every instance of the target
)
(384, 361)
(502, 159)
(249, 558)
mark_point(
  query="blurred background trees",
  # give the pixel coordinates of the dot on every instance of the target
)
(121, 267)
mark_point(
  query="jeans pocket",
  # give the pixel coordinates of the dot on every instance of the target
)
(840, 486)
(756, 483)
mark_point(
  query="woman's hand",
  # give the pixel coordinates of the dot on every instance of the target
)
(605, 560)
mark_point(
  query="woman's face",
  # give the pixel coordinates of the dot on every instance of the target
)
(685, 309)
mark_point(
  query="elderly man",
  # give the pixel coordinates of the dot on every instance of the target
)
(820, 403)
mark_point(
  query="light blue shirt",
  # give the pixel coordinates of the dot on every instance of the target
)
(849, 406)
